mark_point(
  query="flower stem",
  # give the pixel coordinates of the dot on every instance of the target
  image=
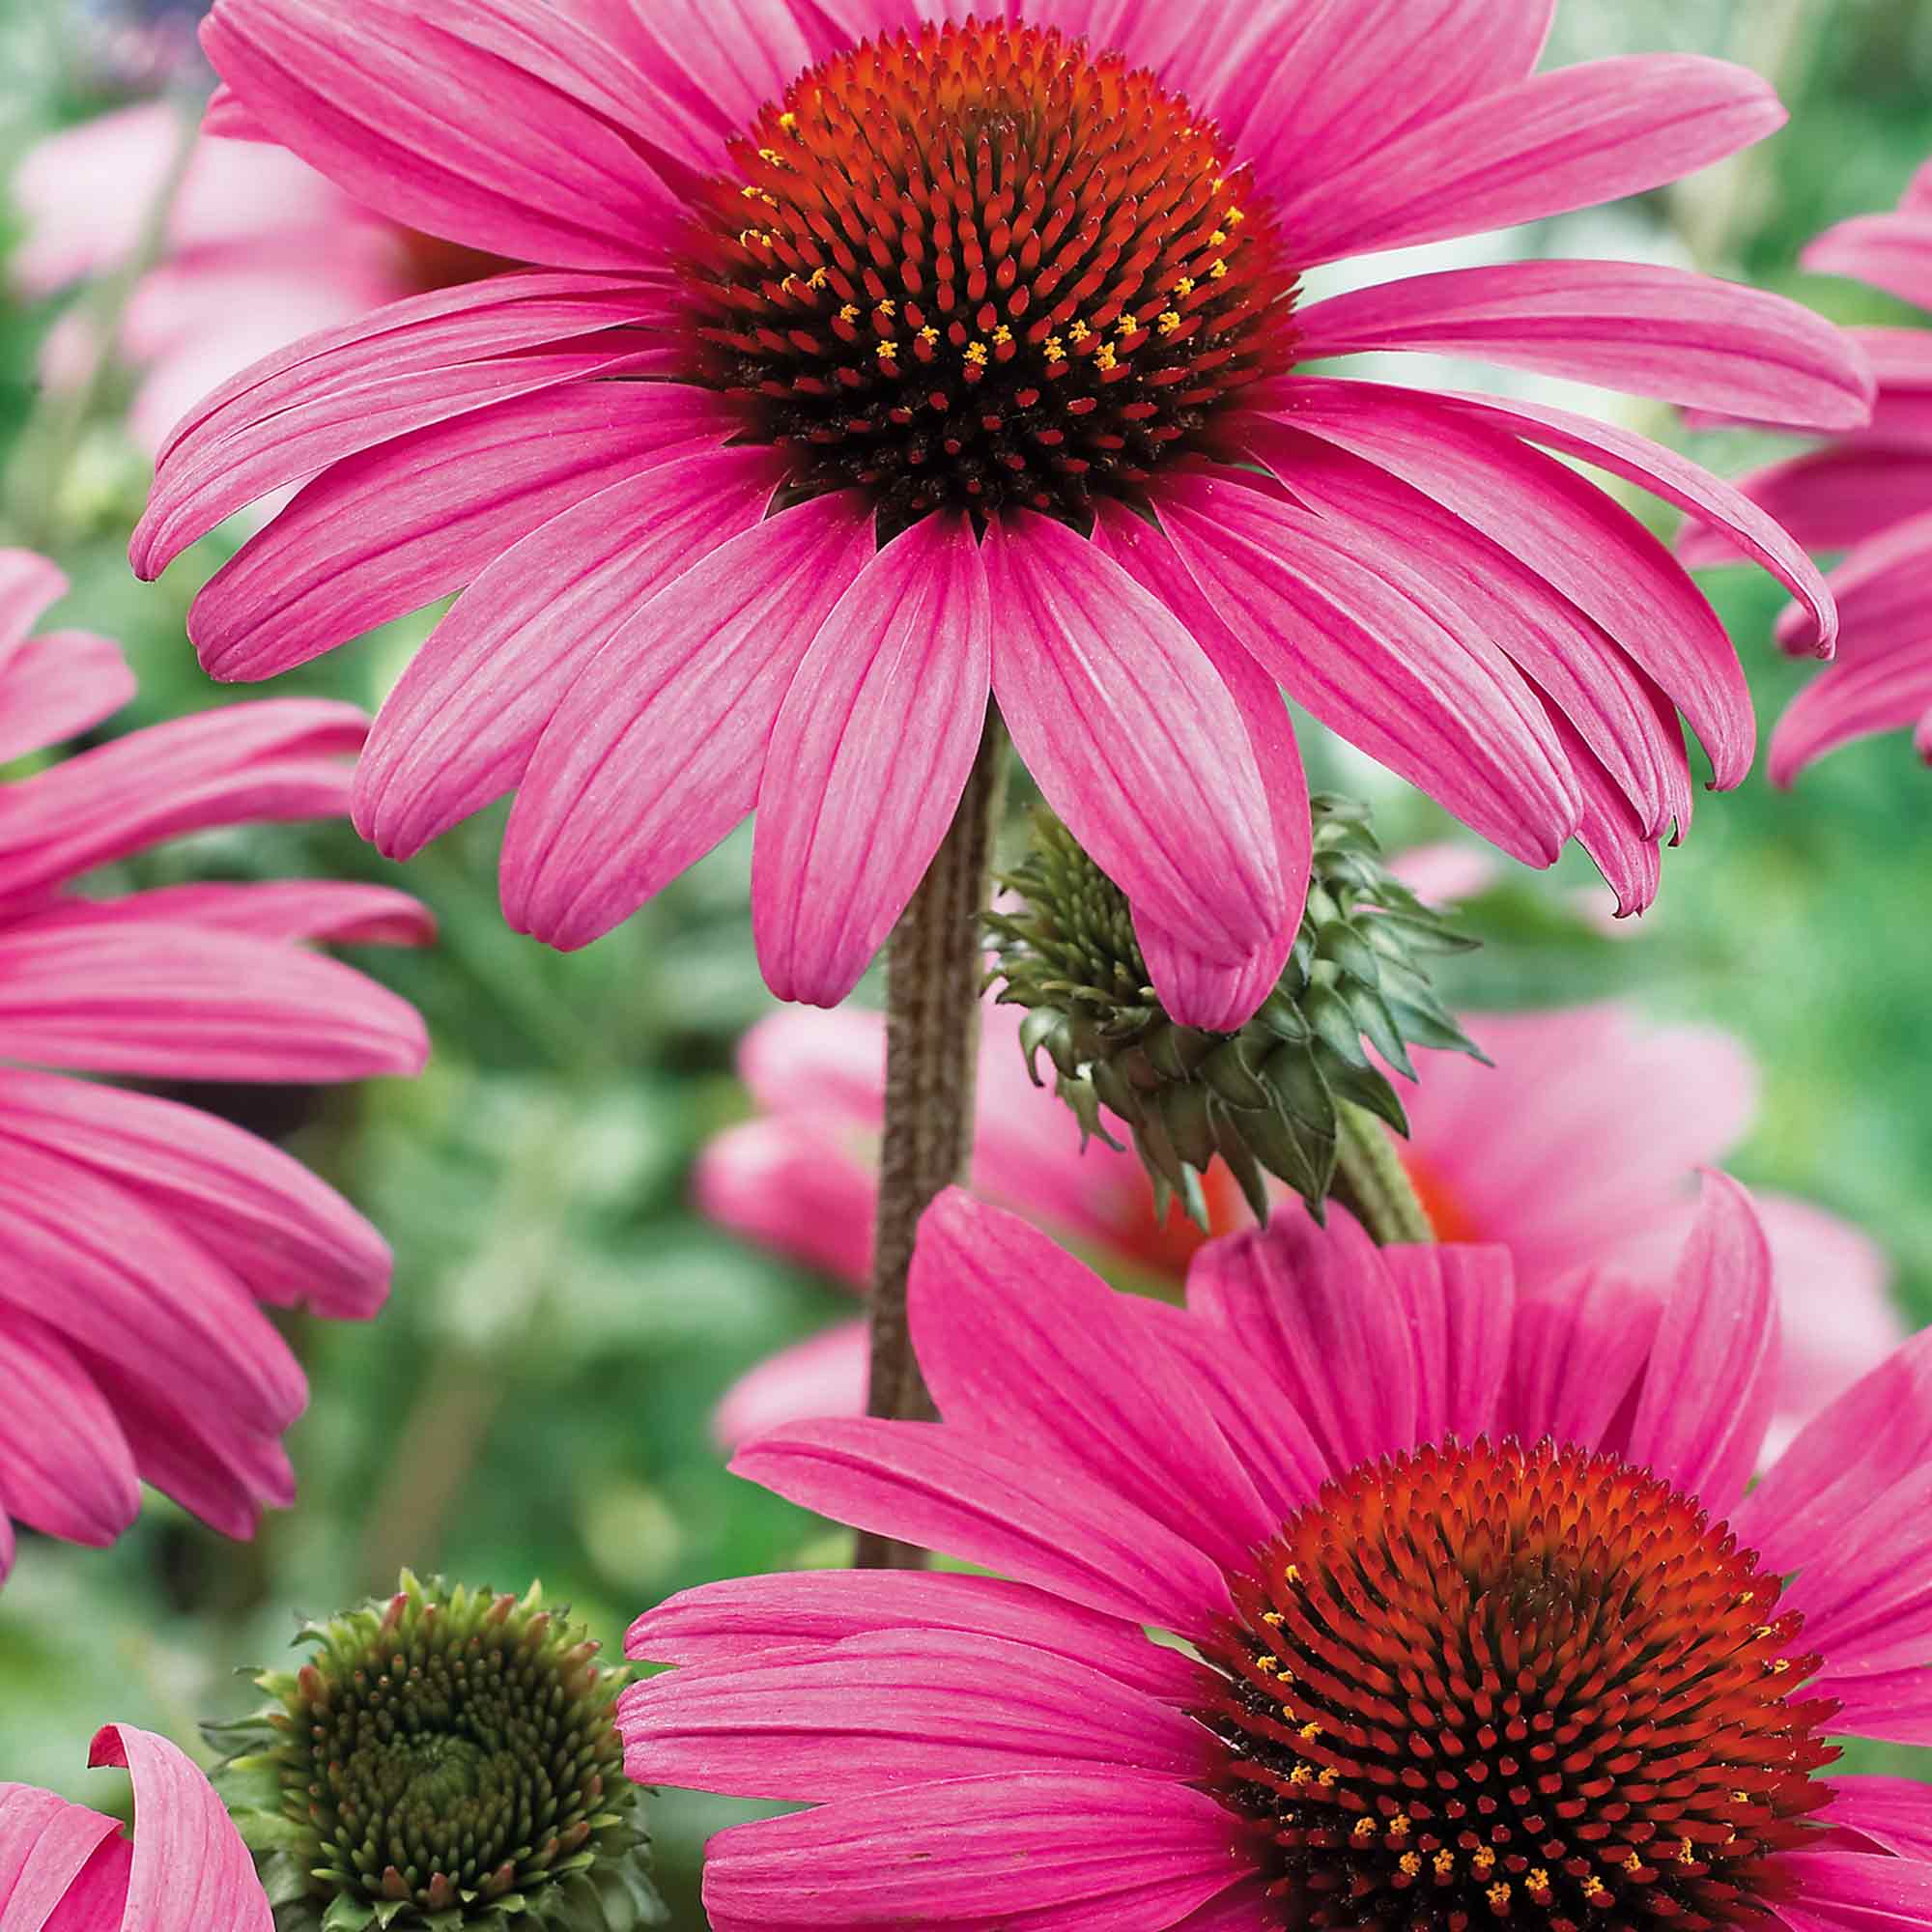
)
(1371, 1182)
(933, 972)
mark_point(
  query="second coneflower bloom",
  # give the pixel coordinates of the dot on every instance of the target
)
(877, 363)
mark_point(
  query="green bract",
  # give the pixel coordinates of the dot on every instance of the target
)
(1269, 1097)
(445, 1759)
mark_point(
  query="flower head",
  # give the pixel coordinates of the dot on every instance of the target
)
(137, 1235)
(65, 1867)
(1869, 496)
(445, 1759)
(1478, 1623)
(879, 363)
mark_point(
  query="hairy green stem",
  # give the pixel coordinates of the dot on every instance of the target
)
(933, 972)
(1371, 1182)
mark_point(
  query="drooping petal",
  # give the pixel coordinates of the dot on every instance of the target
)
(895, 1709)
(1654, 332)
(55, 687)
(826, 1374)
(1712, 1378)
(658, 748)
(1829, 499)
(1575, 138)
(1133, 737)
(398, 526)
(45, 1846)
(458, 730)
(1196, 990)
(1896, 1812)
(1892, 252)
(1889, 692)
(1345, 628)
(64, 1466)
(1004, 1322)
(869, 755)
(414, 117)
(338, 912)
(1038, 1521)
(789, 1185)
(191, 1871)
(28, 585)
(723, 1623)
(1580, 541)
(1314, 1309)
(1851, 1891)
(288, 1236)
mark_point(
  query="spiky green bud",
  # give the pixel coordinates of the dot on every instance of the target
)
(447, 1759)
(1267, 1097)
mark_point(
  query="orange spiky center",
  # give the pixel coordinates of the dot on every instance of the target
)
(976, 265)
(1475, 1685)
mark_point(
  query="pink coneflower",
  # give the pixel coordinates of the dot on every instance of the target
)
(137, 1234)
(1481, 1626)
(258, 250)
(65, 1868)
(1575, 1150)
(1869, 495)
(880, 360)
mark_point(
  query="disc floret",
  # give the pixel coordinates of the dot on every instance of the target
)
(1471, 1686)
(445, 1759)
(1267, 1098)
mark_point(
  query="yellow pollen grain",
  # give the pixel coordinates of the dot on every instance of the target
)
(1185, 286)
(888, 350)
(1002, 336)
(1633, 1863)
(1311, 1730)
(816, 279)
(1218, 239)
(1329, 1777)
(1762, 1632)
(1741, 1798)
(769, 155)
(1219, 270)
(1538, 1880)
(1445, 1863)
(888, 309)
(1233, 217)
(1398, 1826)
(1273, 1619)
(1779, 1666)
(1128, 325)
(929, 336)
(1056, 349)
(788, 121)
(975, 354)
(1365, 1828)
(1170, 320)
(1482, 1858)
(1499, 1895)
(1291, 1574)
(1078, 330)
(1593, 1886)
(1105, 357)
(1411, 1862)
(786, 285)
(748, 236)
(849, 313)
(1686, 1855)
(1300, 1775)
(1267, 1663)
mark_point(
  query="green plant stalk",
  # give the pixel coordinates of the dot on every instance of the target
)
(1371, 1182)
(934, 969)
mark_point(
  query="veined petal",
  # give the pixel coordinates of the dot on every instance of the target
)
(1346, 630)
(1654, 332)
(1853, 700)
(1827, 499)
(64, 1466)
(658, 748)
(1892, 252)
(46, 1845)
(1575, 138)
(1134, 739)
(461, 723)
(1576, 1352)
(29, 583)
(337, 912)
(868, 758)
(55, 687)
(1896, 1812)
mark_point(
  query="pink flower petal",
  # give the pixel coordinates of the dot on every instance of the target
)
(895, 1709)
(183, 1002)
(952, 1490)
(336, 911)
(1882, 590)
(1712, 1379)
(789, 1186)
(1829, 500)
(1133, 737)
(723, 1623)
(1198, 991)
(1892, 1706)
(1852, 1892)
(1580, 541)
(63, 1465)
(45, 1847)
(1349, 78)
(415, 363)
(1050, 1851)
(657, 749)
(1005, 1323)
(191, 1871)
(1315, 1310)
(1459, 1304)
(1575, 138)
(388, 530)
(1869, 1607)
(827, 1375)
(458, 728)
(434, 114)
(28, 585)
(56, 687)
(868, 755)
(1853, 700)
(1896, 1812)
(1345, 629)
(1576, 1354)
(288, 1236)
(1892, 252)
(1654, 332)
(1490, 592)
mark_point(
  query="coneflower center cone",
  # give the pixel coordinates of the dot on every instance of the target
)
(1471, 1686)
(976, 265)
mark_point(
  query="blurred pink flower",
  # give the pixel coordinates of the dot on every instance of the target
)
(1408, 1523)
(258, 250)
(138, 1235)
(64, 1868)
(788, 457)
(1869, 495)
(1577, 1151)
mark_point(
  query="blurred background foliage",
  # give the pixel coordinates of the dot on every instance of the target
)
(535, 1400)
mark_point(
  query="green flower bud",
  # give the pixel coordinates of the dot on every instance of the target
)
(1269, 1097)
(445, 1759)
